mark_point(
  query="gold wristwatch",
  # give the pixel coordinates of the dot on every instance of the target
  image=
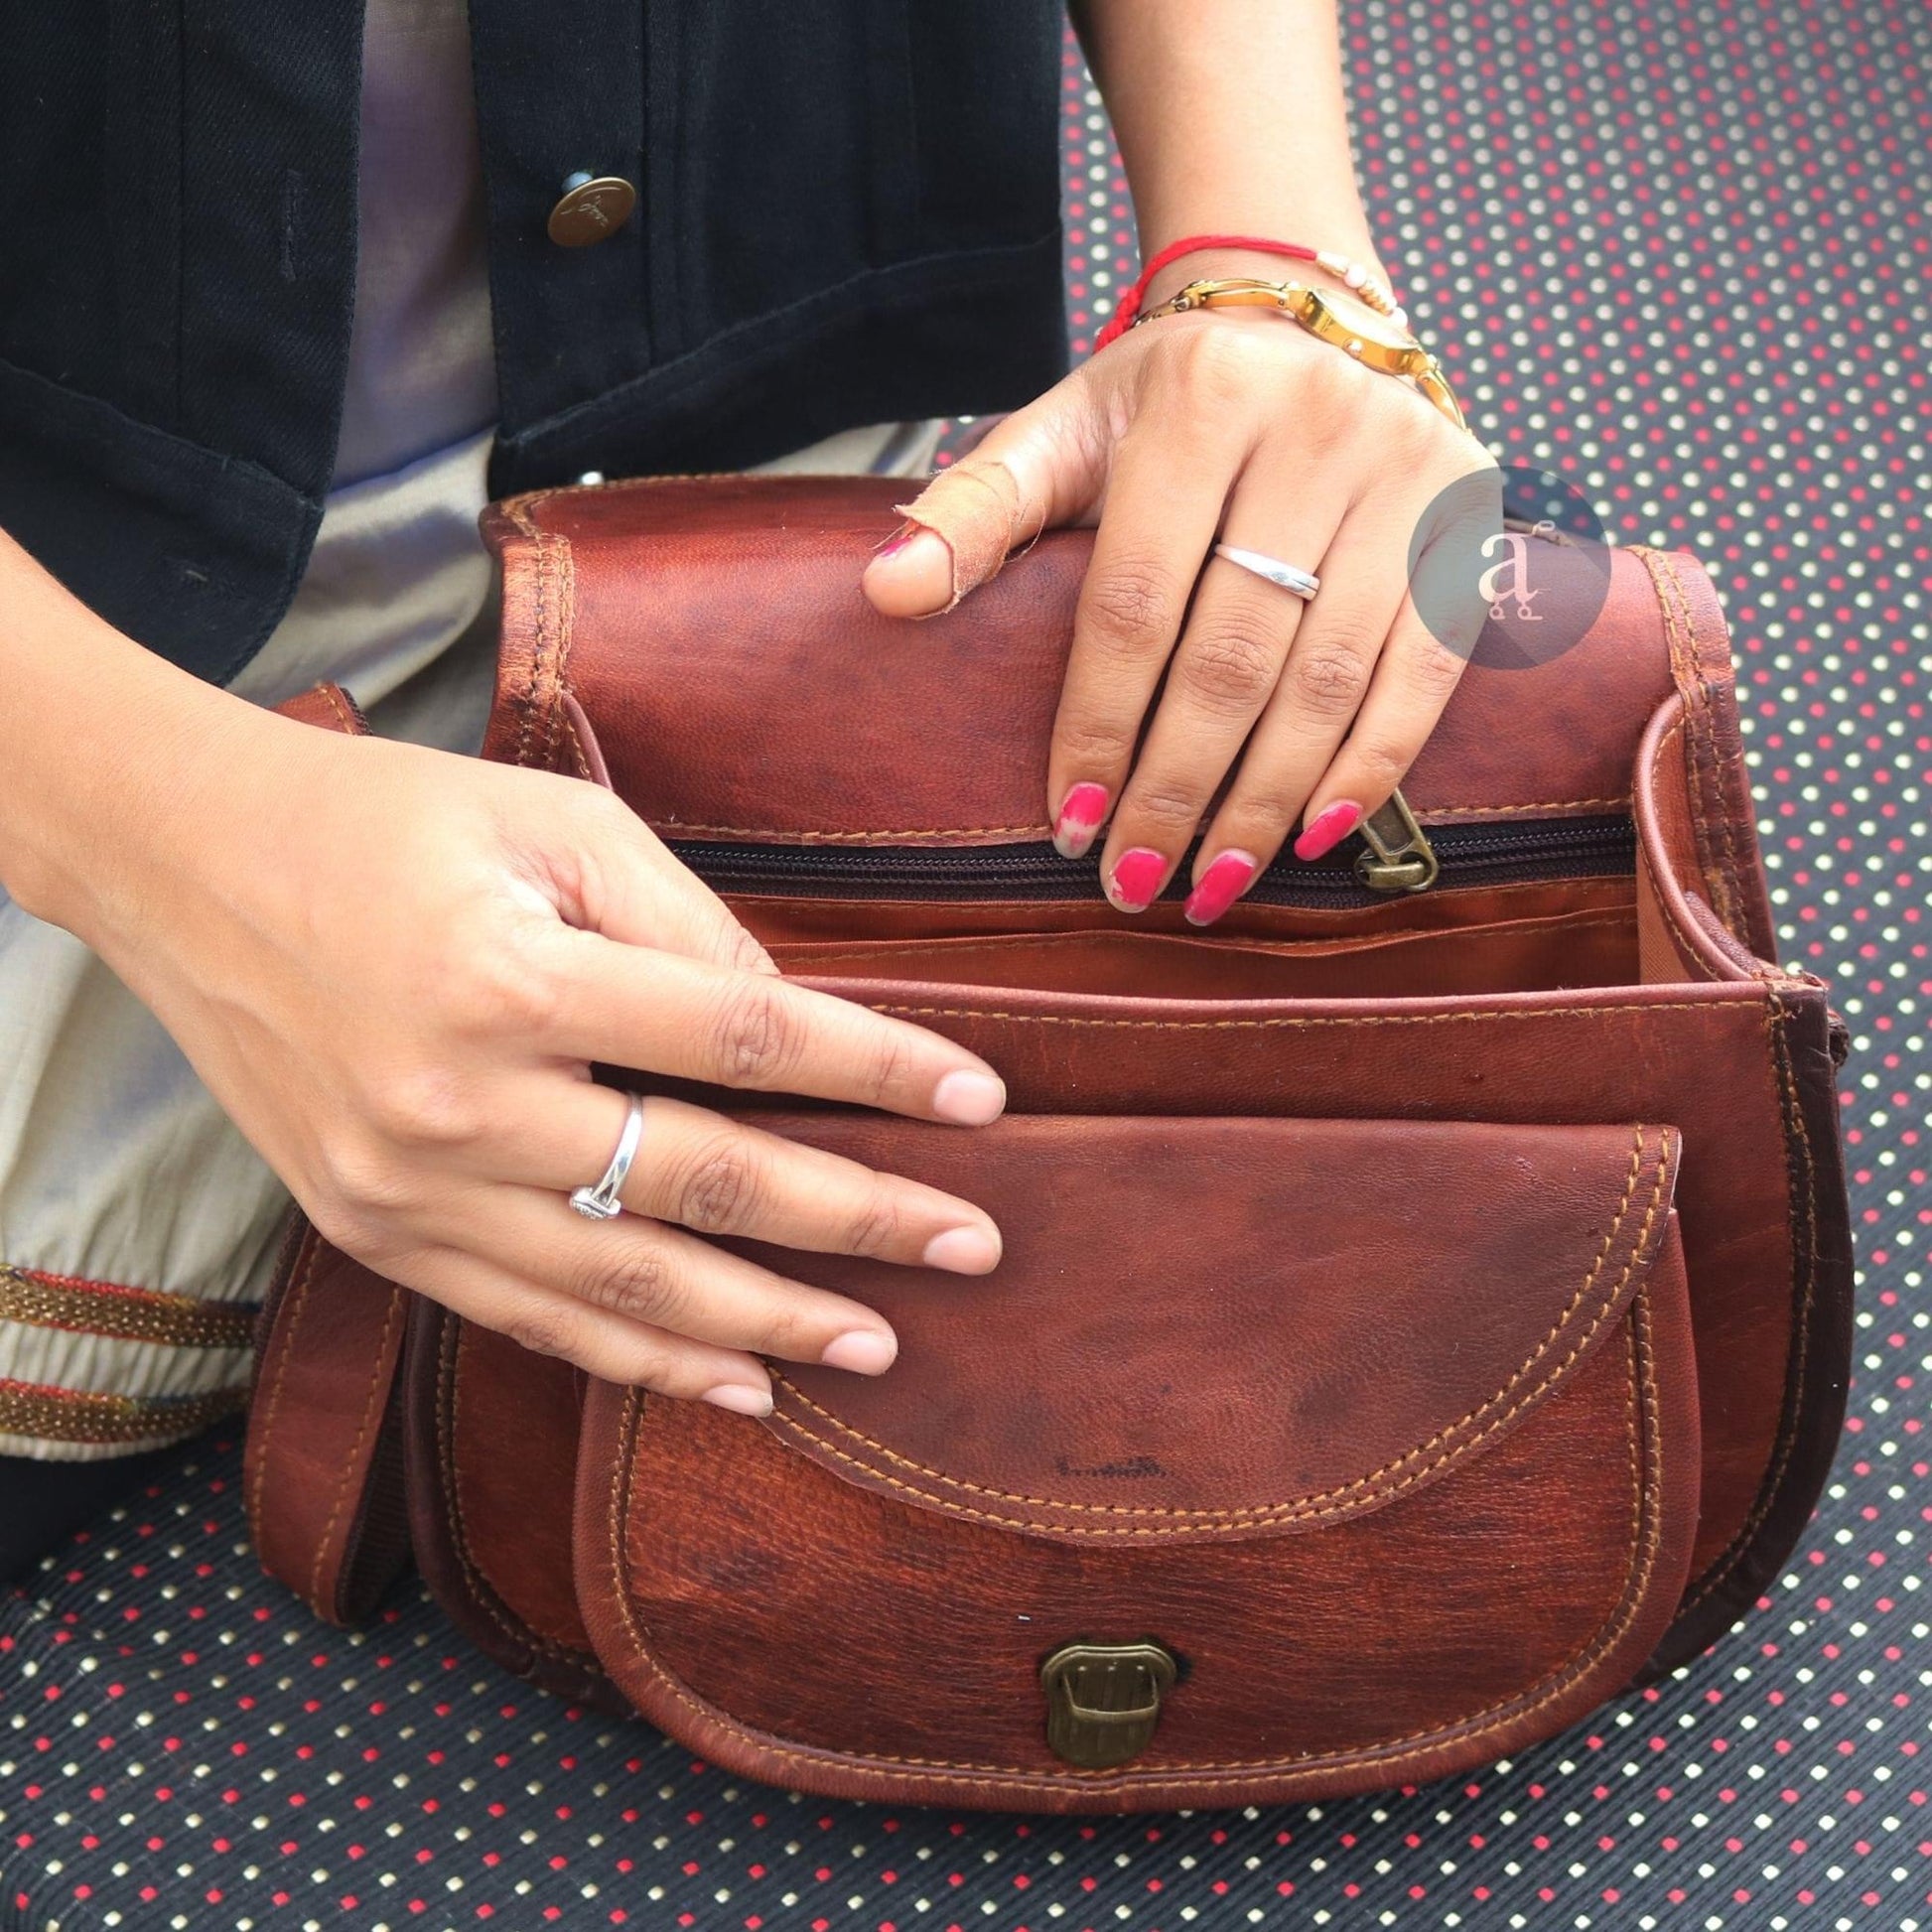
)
(1336, 318)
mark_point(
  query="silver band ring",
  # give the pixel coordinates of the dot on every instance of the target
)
(1290, 577)
(601, 1203)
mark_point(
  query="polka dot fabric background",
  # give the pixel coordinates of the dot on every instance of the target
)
(1676, 253)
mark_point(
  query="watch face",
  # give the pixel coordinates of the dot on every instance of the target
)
(1347, 317)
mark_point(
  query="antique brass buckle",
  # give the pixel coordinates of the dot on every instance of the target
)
(1399, 857)
(1103, 1700)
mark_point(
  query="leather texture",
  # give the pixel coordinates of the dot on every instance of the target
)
(1422, 1316)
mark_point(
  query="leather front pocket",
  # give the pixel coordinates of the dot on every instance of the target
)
(1385, 1432)
(1592, 947)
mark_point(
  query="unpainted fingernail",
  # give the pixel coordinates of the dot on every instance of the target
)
(1082, 814)
(864, 1351)
(966, 1250)
(969, 1098)
(1220, 885)
(741, 1398)
(1328, 828)
(1137, 878)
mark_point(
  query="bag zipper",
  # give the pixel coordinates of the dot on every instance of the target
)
(1469, 855)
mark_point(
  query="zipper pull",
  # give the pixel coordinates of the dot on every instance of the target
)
(1399, 857)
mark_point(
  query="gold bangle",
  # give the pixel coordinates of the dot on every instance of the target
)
(1340, 320)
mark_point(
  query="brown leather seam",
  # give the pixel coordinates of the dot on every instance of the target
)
(1640, 1562)
(1686, 953)
(1680, 630)
(481, 1593)
(344, 715)
(1730, 870)
(1251, 1026)
(1246, 945)
(284, 1344)
(1323, 1504)
(379, 1386)
(1777, 1023)
(674, 828)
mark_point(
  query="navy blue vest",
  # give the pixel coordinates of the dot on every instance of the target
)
(848, 213)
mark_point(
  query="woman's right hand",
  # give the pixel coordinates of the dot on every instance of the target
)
(393, 968)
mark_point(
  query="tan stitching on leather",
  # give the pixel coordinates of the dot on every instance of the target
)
(1688, 954)
(1429, 817)
(1730, 873)
(448, 1398)
(332, 692)
(1641, 1563)
(1310, 1508)
(823, 953)
(379, 1385)
(284, 1343)
(672, 828)
(1313, 1020)
(1687, 666)
(1777, 1021)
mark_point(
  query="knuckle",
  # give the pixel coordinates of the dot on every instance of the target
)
(1226, 366)
(1092, 746)
(757, 1036)
(718, 1190)
(1232, 666)
(1130, 604)
(639, 1282)
(876, 1226)
(425, 1109)
(1329, 679)
(892, 1064)
(499, 984)
(1169, 803)
(1434, 671)
(545, 1330)
(1258, 817)
(1385, 759)
(361, 1196)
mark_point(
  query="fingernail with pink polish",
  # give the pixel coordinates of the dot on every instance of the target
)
(898, 544)
(1082, 814)
(1328, 828)
(1220, 885)
(740, 1399)
(1137, 878)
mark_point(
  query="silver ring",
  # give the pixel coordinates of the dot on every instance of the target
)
(601, 1203)
(1290, 577)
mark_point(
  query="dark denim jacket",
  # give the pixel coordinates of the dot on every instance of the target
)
(849, 212)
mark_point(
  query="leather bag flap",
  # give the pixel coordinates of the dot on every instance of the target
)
(742, 689)
(1211, 1329)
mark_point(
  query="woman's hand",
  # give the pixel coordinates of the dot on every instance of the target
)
(1231, 425)
(393, 968)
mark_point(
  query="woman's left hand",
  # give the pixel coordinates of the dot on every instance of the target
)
(1232, 425)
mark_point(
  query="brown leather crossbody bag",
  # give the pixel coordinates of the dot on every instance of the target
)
(1424, 1311)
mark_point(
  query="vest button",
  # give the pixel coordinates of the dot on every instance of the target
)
(593, 209)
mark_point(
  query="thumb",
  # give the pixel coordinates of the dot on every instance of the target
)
(1043, 465)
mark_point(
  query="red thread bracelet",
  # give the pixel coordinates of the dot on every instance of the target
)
(1130, 303)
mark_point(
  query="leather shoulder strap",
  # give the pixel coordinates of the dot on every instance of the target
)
(324, 1463)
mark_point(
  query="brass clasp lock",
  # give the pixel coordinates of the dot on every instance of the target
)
(1103, 1700)
(1399, 857)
